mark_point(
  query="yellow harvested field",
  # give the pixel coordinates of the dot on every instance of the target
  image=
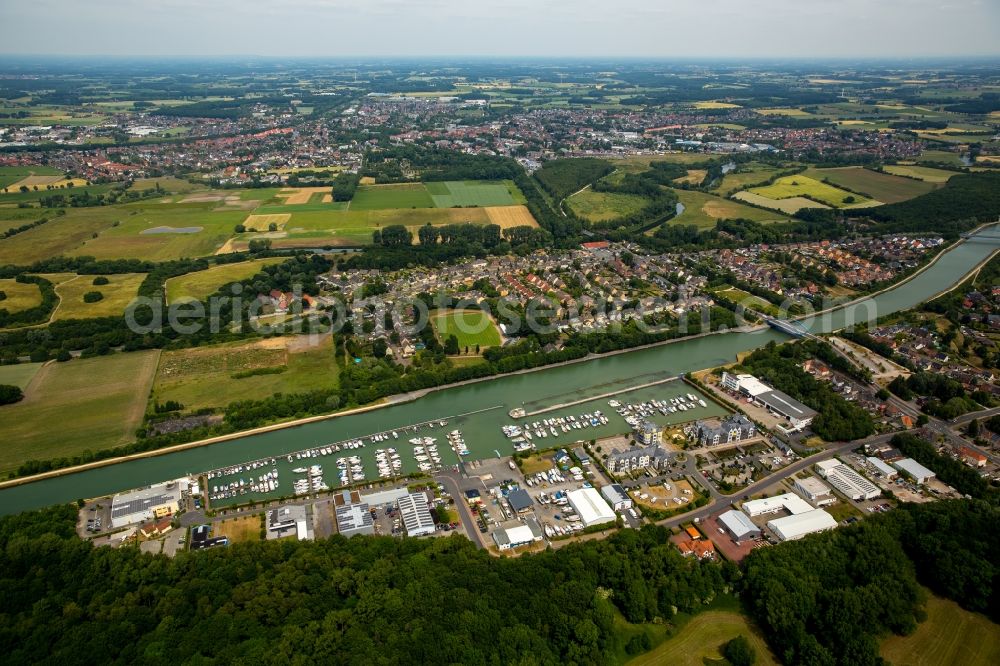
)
(367, 180)
(263, 222)
(46, 182)
(783, 112)
(693, 177)
(715, 105)
(790, 205)
(327, 198)
(118, 294)
(300, 195)
(510, 216)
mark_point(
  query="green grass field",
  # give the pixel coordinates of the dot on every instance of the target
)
(701, 639)
(879, 186)
(949, 635)
(118, 293)
(203, 377)
(19, 296)
(84, 404)
(744, 176)
(59, 236)
(16, 217)
(168, 183)
(403, 195)
(19, 375)
(746, 299)
(201, 284)
(600, 206)
(11, 174)
(471, 327)
(929, 174)
(702, 210)
(788, 187)
(447, 194)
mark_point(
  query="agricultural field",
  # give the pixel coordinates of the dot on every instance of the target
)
(601, 206)
(788, 187)
(168, 183)
(19, 374)
(510, 216)
(403, 195)
(693, 177)
(118, 293)
(949, 635)
(928, 174)
(715, 105)
(451, 194)
(304, 195)
(58, 236)
(701, 639)
(210, 376)
(942, 156)
(19, 296)
(201, 284)
(791, 205)
(794, 113)
(744, 176)
(13, 174)
(44, 183)
(878, 186)
(471, 327)
(102, 398)
(703, 210)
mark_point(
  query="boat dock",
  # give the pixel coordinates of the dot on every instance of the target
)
(602, 396)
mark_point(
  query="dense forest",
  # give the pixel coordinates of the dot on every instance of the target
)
(827, 599)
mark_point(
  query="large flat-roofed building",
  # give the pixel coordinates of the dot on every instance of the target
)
(591, 506)
(738, 526)
(880, 467)
(912, 468)
(790, 502)
(416, 514)
(145, 504)
(617, 497)
(354, 519)
(812, 488)
(514, 533)
(776, 401)
(790, 528)
(520, 501)
(287, 521)
(846, 481)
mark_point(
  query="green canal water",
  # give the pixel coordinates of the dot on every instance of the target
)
(488, 402)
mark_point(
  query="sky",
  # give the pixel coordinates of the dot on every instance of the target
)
(509, 28)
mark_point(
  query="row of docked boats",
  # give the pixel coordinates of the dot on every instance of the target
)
(388, 462)
(457, 443)
(261, 483)
(312, 482)
(521, 436)
(425, 452)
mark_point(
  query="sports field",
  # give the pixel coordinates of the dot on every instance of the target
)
(949, 635)
(601, 206)
(118, 293)
(19, 296)
(84, 404)
(806, 187)
(700, 642)
(471, 327)
(703, 210)
(201, 284)
(879, 186)
(209, 376)
(929, 174)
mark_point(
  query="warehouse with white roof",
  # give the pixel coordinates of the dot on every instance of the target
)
(514, 533)
(790, 528)
(416, 514)
(914, 469)
(145, 504)
(591, 506)
(791, 503)
(847, 481)
(882, 468)
(738, 525)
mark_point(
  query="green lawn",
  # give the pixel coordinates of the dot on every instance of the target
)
(18, 375)
(800, 185)
(702, 210)
(700, 641)
(201, 284)
(471, 327)
(84, 404)
(949, 635)
(204, 377)
(883, 187)
(600, 206)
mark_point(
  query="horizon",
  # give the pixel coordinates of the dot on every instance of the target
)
(688, 29)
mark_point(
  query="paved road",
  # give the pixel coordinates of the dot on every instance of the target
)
(451, 481)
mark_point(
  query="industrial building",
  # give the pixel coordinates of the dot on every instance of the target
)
(519, 500)
(790, 502)
(617, 497)
(416, 514)
(775, 401)
(146, 504)
(354, 519)
(790, 528)
(591, 507)
(514, 533)
(912, 468)
(846, 481)
(882, 468)
(812, 488)
(738, 526)
(287, 521)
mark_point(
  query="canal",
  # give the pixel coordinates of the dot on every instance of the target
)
(535, 390)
